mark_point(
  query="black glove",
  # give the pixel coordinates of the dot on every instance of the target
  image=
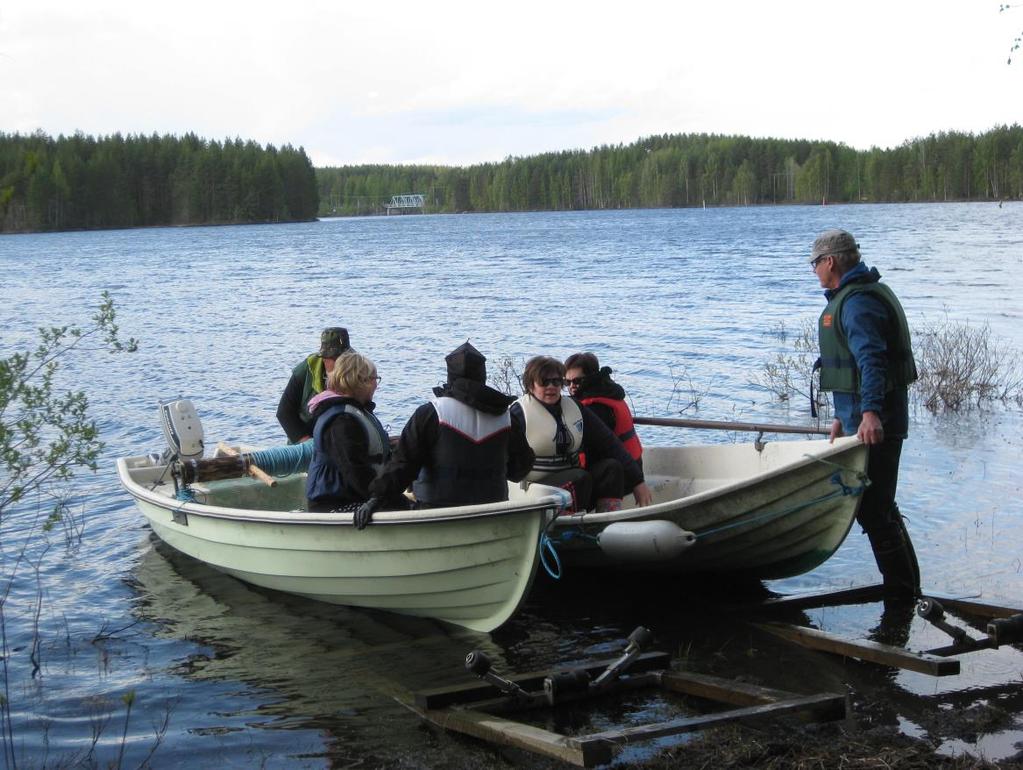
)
(365, 512)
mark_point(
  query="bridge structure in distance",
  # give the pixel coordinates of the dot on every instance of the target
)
(406, 203)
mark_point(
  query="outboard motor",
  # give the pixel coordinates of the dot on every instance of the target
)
(182, 429)
(184, 435)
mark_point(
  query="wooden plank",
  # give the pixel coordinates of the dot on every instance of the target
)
(477, 690)
(854, 595)
(253, 470)
(875, 592)
(506, 732)
(970, 607)
(753, 427)
(826, 706)
(721, 690)
(600, 748)
(863, 649)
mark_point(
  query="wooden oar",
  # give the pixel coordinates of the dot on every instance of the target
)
(754, 427)
(253, 470)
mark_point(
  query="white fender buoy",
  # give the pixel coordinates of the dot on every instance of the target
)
(657, 540)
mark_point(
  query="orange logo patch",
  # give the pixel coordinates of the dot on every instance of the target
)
(826, 320)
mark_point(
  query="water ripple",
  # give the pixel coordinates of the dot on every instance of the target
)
(692, 299)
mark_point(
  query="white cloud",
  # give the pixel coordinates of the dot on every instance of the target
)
(463, 82)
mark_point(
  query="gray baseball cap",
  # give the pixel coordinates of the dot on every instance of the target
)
(833, 242)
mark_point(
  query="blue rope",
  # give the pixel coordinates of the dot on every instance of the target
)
(283, 460)
(572, 534)
(185, 495)
(836, 479)
(546, 545)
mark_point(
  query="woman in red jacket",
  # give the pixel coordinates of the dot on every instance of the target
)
(593, 387)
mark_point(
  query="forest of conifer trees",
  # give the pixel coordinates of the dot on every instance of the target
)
(695, 170)
(81, 182)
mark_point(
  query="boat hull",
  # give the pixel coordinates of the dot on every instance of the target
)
(767, 514)
(469, 566)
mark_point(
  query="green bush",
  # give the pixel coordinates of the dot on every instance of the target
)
(45, 435)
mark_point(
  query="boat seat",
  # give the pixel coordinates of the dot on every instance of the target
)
(246, 492)
(664, 487)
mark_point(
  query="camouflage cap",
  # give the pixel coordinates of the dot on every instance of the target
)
(334, 342)
(833, 242)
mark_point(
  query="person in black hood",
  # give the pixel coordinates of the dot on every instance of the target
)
(460, 448)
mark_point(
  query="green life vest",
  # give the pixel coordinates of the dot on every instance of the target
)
(838, 367)
(314, 378)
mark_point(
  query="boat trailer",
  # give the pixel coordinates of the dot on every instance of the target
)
(1004, 626)
(484, 709)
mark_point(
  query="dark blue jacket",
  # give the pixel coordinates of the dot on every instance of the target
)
(868, 325)
(345, 457)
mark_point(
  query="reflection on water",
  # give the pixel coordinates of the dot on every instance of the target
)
(253, 678)
(309, 666)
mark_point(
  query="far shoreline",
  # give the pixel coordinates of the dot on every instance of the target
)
(321, 217)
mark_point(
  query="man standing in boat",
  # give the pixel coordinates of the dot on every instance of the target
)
(460, 448)
(867, 364)
(308, 378)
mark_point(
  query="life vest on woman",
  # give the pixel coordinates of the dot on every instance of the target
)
(542, 432)
(625, 428)
(324, 481)
(468, 464)
(838, 366)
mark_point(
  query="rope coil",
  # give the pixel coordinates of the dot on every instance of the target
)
(283, 460)
(547, 546)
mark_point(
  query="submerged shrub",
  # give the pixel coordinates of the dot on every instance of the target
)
(505, 376)
(962, 367)
(790, 373)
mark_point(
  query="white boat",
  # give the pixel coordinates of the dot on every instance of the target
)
(765, 511)
(470, 566)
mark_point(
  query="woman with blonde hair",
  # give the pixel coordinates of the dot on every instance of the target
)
(350, 446)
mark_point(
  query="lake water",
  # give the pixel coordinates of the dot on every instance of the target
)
(685, 305)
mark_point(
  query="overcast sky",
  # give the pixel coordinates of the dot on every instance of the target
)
(467, 82)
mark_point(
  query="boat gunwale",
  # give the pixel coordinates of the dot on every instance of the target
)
(840, 446)
(380, 518)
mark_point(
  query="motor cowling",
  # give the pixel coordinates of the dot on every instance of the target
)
(182, 429)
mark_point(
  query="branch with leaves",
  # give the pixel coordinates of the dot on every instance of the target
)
(45, 435)
(1016, 40)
